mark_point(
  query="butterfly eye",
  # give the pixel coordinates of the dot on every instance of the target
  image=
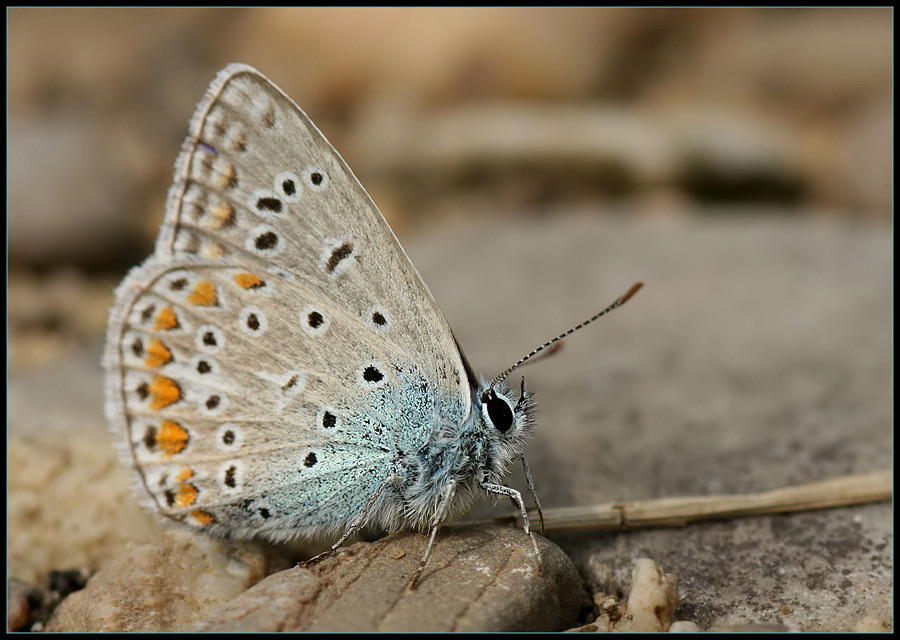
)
(499, 411)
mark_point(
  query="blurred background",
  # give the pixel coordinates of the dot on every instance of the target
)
(446, 115)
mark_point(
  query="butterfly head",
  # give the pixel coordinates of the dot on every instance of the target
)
(509, 420)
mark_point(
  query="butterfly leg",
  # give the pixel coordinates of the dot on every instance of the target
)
(516, 497)
(537, 503)
(355, 524)
(441, 513)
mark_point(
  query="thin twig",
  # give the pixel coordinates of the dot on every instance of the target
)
(674, 512)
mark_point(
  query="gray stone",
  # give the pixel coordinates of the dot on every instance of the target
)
(281, 602)
(477, 579)
(758, 355)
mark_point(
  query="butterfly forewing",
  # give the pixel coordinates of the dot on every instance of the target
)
(276, 352)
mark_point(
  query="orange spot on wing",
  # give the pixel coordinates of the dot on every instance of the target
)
(157, 354)
(172, 438)
(248, 280)
(222, 215)
(187, 495)
(165, 319)
(228, 177)
(185, 474)
(202, 517)
(213, 250)
(204, 294)
(165, 391)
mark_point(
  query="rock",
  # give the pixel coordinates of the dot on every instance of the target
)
(871, 624)
(51, 315)
(23, 601)
(160, 586)
(684, 626)
(477, 579)
(650, 607)
(281, 602)
(64, 474)
(653, 598)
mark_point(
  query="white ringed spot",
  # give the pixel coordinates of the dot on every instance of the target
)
(314, 320)
(210, 338)
(252, 321)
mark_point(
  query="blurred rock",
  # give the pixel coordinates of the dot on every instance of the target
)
(478, 142)
(576, 154)
(816, 59)
(94, 133)
(63, 53)
(69, 502)
(728, 156)
(53, 314)
(434, 56)
(164, 585)
(863, 171)
(74, 485)
(23, 601)
(68, 198)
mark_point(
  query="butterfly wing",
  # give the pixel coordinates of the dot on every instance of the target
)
(269, 362)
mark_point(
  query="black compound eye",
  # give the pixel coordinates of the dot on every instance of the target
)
(499, 412)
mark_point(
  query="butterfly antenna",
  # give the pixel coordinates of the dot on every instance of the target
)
(618, 303)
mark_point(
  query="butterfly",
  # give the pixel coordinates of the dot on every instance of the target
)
(277, 368)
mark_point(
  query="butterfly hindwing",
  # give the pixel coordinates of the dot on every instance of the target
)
(276, 350)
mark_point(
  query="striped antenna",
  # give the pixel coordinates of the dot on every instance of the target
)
(618, 303)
